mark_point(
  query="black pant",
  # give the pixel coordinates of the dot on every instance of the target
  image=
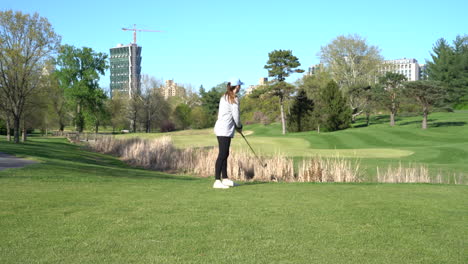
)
(221, 163)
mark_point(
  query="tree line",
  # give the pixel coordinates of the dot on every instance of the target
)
(46, 85)
(352, 81)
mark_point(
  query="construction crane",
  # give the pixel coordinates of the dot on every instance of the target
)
(134, 29)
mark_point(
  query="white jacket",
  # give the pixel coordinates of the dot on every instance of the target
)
(228, 118)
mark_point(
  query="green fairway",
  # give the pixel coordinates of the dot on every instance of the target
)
(77, 206)
(443, 147)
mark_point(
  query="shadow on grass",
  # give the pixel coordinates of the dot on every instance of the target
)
(61, 160)
(446, 124)
(374, 120)
(250, 183)
(415, 122)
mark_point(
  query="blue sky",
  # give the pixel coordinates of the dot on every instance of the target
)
(208, 42)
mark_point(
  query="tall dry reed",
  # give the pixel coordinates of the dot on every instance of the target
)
(160, 154)
(417, 173)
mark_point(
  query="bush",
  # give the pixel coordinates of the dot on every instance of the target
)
(167, 126)
(260, 117)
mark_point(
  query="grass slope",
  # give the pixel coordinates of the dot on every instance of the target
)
(82, 207)
(442, 147)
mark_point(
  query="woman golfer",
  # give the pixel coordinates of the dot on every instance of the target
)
(228, 121)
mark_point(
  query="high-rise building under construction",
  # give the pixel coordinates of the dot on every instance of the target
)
(125, 69)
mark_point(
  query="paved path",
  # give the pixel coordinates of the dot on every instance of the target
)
(8, 161)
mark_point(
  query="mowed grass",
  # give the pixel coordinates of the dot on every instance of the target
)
(77, 206)
(443, 147)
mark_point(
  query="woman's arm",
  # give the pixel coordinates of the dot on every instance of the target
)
(236, 113)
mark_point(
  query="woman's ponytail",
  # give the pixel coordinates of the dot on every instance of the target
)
(231, 96)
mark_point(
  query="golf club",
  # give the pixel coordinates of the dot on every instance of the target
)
(261, 162)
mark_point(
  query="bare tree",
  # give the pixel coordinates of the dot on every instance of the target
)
(26, 42)
(353, 64)
(155, 108)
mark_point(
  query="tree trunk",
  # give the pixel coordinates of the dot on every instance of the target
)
(16, 127)
(24, 136)
(80, 119)
(8, 129)
(148, 123)
(367, 118)
(283, 122)
(424, 122)
(392, 112)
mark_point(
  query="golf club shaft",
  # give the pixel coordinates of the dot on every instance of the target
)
(251, 148)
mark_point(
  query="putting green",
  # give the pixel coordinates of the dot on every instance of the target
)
(298, 147)
(267, 146)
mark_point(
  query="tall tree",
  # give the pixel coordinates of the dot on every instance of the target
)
(312, 84)
(389, 93)
(281, 64)
(155, 108)
(332, 110)
(96, 112)
(58, 102)
(449, 65)
(26, 42)
(5, 114)
(182, 115)
(427, 93)
(301, 112)
(117, 107)
(78, 72)
(353, 64)
(210, 101)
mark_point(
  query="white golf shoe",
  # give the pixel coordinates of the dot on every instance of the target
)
(219, 185)
(229, 183)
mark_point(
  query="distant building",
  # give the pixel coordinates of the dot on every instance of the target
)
(314, 69)
(125, 69)
(408, 67)
(261, 81)
(172, 89)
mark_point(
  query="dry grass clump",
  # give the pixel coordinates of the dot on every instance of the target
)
(329, 170)
(416, 174)
(160, 154)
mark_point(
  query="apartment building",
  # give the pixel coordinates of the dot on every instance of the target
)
(125, 69)
(408, 67)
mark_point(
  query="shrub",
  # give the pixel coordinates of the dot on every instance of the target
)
(167, 126)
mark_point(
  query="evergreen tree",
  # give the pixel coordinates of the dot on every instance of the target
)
(333, 112)
(449, 65)
(280, 64)
(300, 113)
